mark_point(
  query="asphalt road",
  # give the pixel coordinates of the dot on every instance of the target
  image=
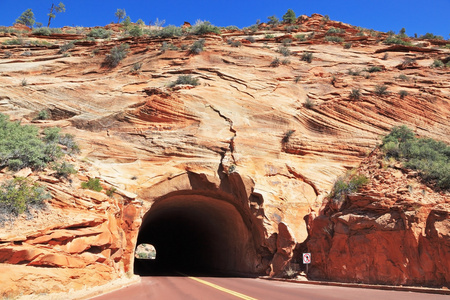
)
(221, 288)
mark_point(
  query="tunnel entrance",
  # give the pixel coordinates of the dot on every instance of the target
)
(195, 234)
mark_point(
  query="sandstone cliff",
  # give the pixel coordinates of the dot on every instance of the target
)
(258, 142)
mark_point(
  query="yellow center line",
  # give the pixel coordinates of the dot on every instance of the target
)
(239, 295)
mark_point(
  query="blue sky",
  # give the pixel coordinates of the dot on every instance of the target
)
(417, 16)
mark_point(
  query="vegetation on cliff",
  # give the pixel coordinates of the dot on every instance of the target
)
(428, 156)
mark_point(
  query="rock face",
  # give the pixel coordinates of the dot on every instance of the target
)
(248, 155)
(393, 232)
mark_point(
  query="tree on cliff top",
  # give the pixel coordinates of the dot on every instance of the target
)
(55, 9)
(120, 14)
(289, 16)
(26, 18)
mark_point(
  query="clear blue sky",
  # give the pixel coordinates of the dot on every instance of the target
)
(417, 16)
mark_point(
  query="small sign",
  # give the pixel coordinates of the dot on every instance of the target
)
(306, 258)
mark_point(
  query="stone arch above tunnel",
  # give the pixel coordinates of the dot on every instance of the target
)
(204, 222)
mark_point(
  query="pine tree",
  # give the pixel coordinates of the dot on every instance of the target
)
(26, 18)
(289, 16)
(55, 9)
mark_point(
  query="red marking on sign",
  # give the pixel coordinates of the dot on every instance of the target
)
(306, 258)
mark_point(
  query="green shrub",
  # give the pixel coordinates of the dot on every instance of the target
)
(374, 69)
(234, 43)
(42, 31)
(251, 39)
(309, 103)
(13, 42)
(430, 157)
(66, 47)
(137, 66)
(273, 21)
(307, 56)
(381, 90)
(437, 64)
(20, 146)
(99, 33)
(136, 31)
(355, 94)
(300, 37)
(333, 30)
(285, 61)
(403, 94)
(286, 42)
(348, 45)
(332, 38)
(289, 16)
(203, 27)
(18, 196)
(353, 73)
(43, 115)
(346, 185)
(110, 192)
(431, 36)
(275, 62)
(93, 184)
(403, 77)
(185, 79)
(284, 51)
(393, 40)
(169, 31)
(64, 169)
(269, 36)
(197, 46)
(287, 135)
(116, 54)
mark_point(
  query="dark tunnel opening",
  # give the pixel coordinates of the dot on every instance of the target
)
(195, 234)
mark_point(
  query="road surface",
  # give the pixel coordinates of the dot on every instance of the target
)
(221, 288)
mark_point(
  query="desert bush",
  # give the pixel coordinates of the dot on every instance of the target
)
(307, 56)
(333, 30)
(116, 54)
(275, 62)
(348, 45)
(185, 79)
(269, 36)
(231, 28)
(285, 61)
(64, 169)
(347, 184)
(309, 103)
(197, 46)
(110, 192)
(431, 36)
(99, 33)
(24, 82)
(43, 115)
(297, 78)
(353, 72)
(374, 69)
(355, 94)
(437, 64)
(137, 66)
(93, 184)
(136, 31)
(42, 31)
(235, 43)
(287, 135)
(381, 90)
(18, 196)
(394, 40)
(300, 37)
(203, 27)
(332, 38)
(284, 51)
(273, 20)
(403, 94)
(286, 42)
(66, 47)
(13, 42)
(251, 39)
(403, 77)
(430, 157)
(169, 31)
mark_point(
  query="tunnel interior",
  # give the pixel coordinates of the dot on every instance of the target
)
(195, 234)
